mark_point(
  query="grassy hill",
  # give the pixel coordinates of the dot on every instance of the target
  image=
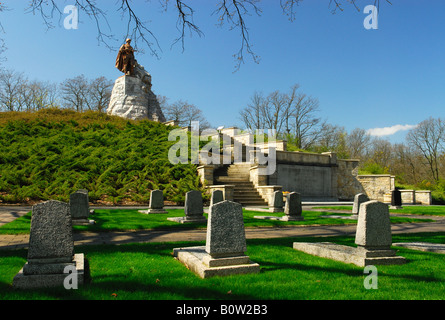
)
(52, 153)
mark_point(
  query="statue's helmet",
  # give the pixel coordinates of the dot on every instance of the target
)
(128, 40)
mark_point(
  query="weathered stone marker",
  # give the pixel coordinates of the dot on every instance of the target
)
(277, 201)
(80, 208)
(358, 200)
(193, 208)
(293, 208)
(373, 238)
(224, 252)
(225, 231)
(217, 196)
(156, 203)
(51, 249)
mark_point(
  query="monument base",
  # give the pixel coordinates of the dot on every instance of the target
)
(154, 211)
(200, 262)
(188, 220)
(36, 281)
(358, 256)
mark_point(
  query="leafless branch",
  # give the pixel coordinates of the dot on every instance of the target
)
(137, 29)
(233, 12)
(185, 21)
(289, 7)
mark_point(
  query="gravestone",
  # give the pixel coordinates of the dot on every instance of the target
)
(293, 208)
(358, 200)
(396, 199)
(51, 248)
(224, 252)
(225, 231)
(217, 196)
(193, 209)
(373, 239)
(277, 201)
(156, 203)
(80, 208)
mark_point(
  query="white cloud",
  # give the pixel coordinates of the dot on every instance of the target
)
(389, 131)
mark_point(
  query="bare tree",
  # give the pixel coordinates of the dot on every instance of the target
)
(266, 112)
(407, 164)
(11, 84)
(81, 94)
(380, 152)
(291, 114)
(429, 137)
(357, 143)
(305, 123)
(184, 113)
(252, 114)
(99, 94)
(36, 95)
(75, 93)
(332, 138)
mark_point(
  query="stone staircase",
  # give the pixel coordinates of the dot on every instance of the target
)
(238, 175)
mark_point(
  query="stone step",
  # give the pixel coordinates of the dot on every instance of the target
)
(248, 199)
(238, 169)
(245, 192)
(226, 179)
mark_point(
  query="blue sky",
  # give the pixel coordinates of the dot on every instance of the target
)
(391, 78)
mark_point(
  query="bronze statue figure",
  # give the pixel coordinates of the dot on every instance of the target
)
(125, 60)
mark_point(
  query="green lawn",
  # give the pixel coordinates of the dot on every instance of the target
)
(149, 272)
(416, 210)
(126, 219)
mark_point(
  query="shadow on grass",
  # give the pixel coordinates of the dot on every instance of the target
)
(276, 257)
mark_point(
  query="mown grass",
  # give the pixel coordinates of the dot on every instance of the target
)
(149, 272)
(129, 219)
(49, 154)
(415, 210)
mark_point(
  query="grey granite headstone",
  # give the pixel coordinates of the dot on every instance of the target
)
(373, 239)
(80, 208)
(51, 235)
(51, 247)
(217, 196)
(225, 230)
(373, 236)
(374, 226)
(277, 201)
(156, 202)
(358, 200)
(293, 208)
(193, 209)
(224, 252)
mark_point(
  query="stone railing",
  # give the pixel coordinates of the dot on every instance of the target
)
(422, 197)
(377, 185)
